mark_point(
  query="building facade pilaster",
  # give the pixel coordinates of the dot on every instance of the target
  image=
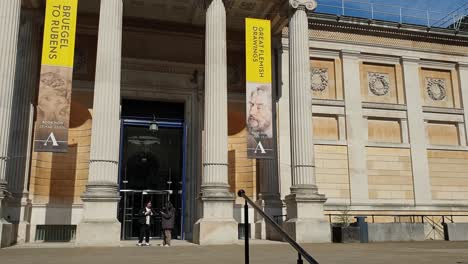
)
(216, 225)
(305, 216)
(9, 28)
(463, 78)
(101, 196)
(269, 198)
(356, 128)
(417, 132)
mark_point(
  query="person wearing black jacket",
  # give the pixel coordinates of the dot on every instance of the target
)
(168, 217)
(146, 219)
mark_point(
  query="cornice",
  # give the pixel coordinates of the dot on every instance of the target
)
(388, 32)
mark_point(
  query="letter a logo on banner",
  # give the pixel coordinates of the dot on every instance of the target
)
(55, 87)
(53, 139)
(259, 108)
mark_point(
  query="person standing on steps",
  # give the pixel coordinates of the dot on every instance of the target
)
(168, 217)
(146, 220)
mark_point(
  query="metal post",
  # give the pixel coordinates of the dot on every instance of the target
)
(372, 10)
(428, 19)
(401, 16)
(246, 232)
(299, 259)
(342, 6)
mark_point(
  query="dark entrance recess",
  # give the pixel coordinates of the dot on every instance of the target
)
(151, 163)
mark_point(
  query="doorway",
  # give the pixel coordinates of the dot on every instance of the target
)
(152, 168)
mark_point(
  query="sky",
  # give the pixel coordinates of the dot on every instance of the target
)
(413, 11)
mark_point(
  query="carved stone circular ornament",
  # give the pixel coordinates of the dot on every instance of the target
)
(319, 79)
(308, 4)
(436, 89)
(379, 83)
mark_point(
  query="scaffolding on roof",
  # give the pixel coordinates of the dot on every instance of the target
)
(456, 20)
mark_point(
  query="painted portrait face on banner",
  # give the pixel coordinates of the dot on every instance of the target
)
(260, 116)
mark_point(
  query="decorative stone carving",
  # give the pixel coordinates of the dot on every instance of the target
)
(308, 4)
(436, 88)
(319, 79)
(379, 83)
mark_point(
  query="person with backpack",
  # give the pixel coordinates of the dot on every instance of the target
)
(168, 217)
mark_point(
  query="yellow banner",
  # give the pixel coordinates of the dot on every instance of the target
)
(59, 33)
(258, 50)
(259, 107)
(55, 86)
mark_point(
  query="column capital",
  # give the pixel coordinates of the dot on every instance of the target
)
(408, 59)
(310, 5)
(207, 3)
(352, 54)
(462, 65)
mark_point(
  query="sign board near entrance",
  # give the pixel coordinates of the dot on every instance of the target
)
(54, 101)
(259, 107)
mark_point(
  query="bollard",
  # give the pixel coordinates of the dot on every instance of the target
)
(363, 228)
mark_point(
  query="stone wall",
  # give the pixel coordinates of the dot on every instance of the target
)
(389, 174)
(449, 175)
(332, 171)
(396, 232)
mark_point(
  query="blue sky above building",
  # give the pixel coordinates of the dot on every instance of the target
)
(423, 12)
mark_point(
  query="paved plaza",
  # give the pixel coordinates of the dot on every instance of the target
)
(439, 252)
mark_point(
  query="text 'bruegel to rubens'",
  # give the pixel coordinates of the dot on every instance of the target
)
(60, 29)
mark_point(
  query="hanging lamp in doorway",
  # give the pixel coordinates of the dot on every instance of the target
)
(153, 128)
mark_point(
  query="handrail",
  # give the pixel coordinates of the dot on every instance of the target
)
(284, 235)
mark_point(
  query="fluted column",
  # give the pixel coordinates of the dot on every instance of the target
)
(26, 82)
(101, 196)
(217, 223)
(304, 205)
(302, 147)
(9, 27)
(215, 167)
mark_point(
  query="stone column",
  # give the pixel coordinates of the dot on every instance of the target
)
(99, 224)
(9, 27)
(26, 83)
(356, 128)
(417, 132)
(463, 79)
(305, 217)
(217, 225)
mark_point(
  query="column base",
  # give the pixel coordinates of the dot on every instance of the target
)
(217, 226)
(98, 233)
(99, 226)
(308, 230)
(24, 231)
(215, 232)
(6, 234)
(305, 218)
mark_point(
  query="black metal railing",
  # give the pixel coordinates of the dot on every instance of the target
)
(300, 251)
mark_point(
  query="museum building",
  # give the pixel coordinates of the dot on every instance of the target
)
(369, 117)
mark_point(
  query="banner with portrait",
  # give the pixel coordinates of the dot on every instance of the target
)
(259, 108)
(55, 86)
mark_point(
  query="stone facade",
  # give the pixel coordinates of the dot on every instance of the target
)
(369, 118)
